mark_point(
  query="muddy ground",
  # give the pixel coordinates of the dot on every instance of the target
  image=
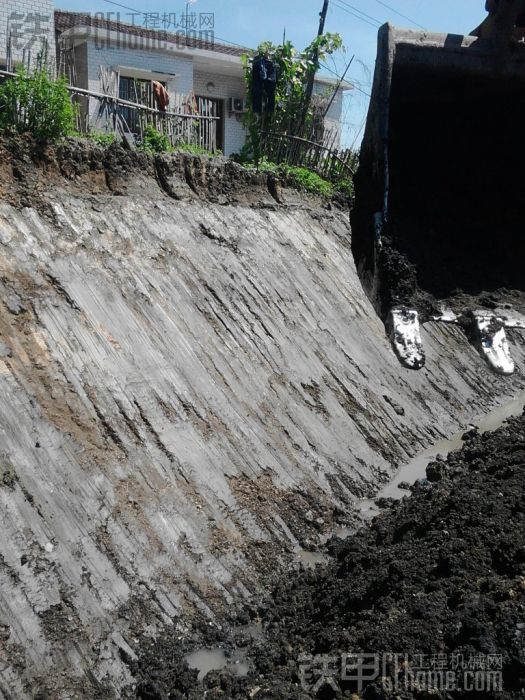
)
(439, 576)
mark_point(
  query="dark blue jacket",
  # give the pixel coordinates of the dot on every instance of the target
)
(264, 70)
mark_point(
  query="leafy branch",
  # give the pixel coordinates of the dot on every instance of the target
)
(293, 114)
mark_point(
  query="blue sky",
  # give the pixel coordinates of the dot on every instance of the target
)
(248, 22)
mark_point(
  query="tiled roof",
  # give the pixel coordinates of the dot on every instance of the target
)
(67, 20)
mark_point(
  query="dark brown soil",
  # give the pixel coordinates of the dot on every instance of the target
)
(440, 572)
(29, 169)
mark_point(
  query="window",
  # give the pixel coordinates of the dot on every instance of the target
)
(134, 90)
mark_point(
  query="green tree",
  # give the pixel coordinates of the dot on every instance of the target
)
(36, 104)
(294, 68)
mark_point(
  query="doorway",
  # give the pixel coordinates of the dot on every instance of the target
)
(213, 107)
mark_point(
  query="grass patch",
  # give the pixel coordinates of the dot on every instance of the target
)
(309, 181)
(154, 141)
(305, 180)
(102, 139)
(196, 150)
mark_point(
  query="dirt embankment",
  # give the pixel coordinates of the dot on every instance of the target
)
(30, 170)
(193, 389)
(438, 579)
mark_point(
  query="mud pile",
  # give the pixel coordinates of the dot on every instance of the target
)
(442, 573)
(438, 579)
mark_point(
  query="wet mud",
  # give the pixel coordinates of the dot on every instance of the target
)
(438, 575)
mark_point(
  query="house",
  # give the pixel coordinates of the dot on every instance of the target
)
(26, 32)
(188, 63)
(102, 54)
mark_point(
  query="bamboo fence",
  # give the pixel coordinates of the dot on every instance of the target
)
(323, 158)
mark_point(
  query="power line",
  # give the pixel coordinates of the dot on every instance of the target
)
(364, 92)
(354, 14)
(354, 86)
(384, 4)
(358, 133)
(393, 9)
(356, 9)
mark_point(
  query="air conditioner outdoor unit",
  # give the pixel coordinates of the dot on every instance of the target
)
(237, 105)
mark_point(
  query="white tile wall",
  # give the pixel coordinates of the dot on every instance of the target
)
(30, 21)
(108, 56)
(102, 54)
(335, 113)
(336, 110)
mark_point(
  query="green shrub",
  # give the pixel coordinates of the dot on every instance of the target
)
(155, 141)
(305, 179)
(245, 156)
(102, 139)
(266, 166)
(309, 181)
(295, 111)
(36, 104)
(346, 187)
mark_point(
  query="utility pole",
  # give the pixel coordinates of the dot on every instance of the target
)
(310, 85)
(322, 20)
(336, 89)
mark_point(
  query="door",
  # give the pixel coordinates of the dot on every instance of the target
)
(211, 135)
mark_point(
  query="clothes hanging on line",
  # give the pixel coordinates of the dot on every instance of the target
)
(264, 69)
(264, 83)
(162, 99)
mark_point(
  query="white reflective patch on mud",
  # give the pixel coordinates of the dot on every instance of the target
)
(446, 316)
(493, 342)
(405, 334)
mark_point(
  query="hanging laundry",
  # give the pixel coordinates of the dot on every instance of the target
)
(161, 96)
(264, 84)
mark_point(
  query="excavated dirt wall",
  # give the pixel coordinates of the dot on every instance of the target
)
(194, 387)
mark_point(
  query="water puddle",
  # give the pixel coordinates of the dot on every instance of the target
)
(416, 468)
(216, 658)
(345, 531)
(311, 559)
(206, 660)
